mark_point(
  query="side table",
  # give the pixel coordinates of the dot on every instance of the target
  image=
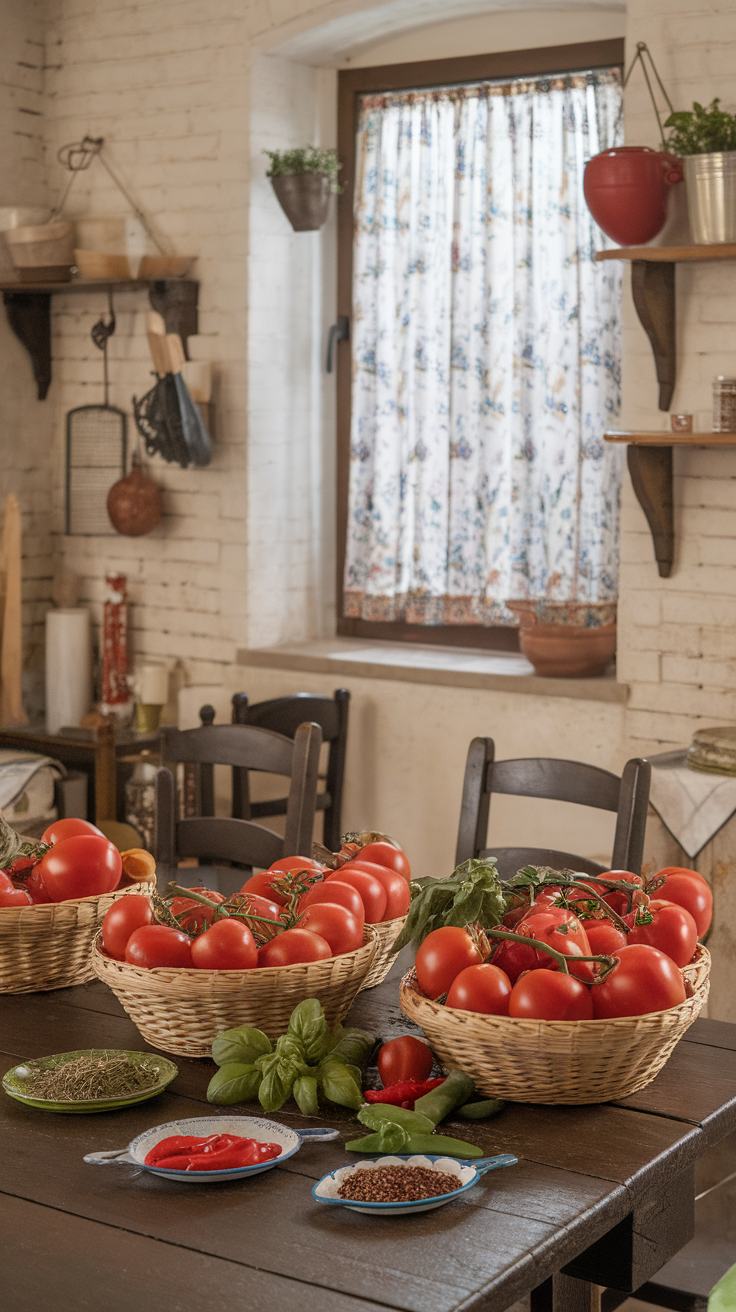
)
(96, 751)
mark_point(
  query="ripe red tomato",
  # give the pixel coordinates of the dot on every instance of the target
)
(398, 895)
(385, 854)
(226, 945)
(82, 866)
(292, 946)
(5, 881)
(562, 931)
(265, 882)
(36, 888)
(158, 945)
(196, 915)
(679, 870)
(69, 829)
(372, 893)
(441, 957)
(260, 884)
(672, 930)
(603, 936)
(405, 1058)
(15, 897)
(482, 988)
(689, 890)
(619, 901)
(514, 958)
(287, 863)
(261, 906)
(335, 890)
(341, 929)
(644, 980)
(549, 995)
(124, 917)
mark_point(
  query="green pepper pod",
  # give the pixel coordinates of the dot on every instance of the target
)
(481, 1111)
(452, 1093)
(374, 1114)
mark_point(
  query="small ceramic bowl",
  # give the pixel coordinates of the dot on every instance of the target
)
(250, 1127)
(468, 1174)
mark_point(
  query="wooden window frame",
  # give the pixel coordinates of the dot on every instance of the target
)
(353, 83)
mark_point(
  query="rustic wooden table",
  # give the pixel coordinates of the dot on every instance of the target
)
(602, 1195)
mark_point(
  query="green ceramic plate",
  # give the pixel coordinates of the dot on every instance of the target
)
(15, 1082)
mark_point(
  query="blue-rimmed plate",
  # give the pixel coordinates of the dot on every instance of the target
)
(468, 1174)
(250, 1127)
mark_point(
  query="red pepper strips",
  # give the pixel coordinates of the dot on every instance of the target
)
(218, 1152)
(404, 1094)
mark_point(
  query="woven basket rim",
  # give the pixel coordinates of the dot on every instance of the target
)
(91, 899)
(185, 973)
(410, 985)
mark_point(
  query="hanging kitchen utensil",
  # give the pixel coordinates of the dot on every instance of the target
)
(166, 417)
(195, 434)
(96, 443)
(134, 503)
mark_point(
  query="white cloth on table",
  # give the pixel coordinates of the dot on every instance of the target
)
(693, 806)
(27, 785)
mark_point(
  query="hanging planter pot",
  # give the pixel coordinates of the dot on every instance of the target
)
(304, 198)
(626, 191)
(303, 180)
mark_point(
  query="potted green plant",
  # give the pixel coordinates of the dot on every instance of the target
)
(705, 138)
(304, 179)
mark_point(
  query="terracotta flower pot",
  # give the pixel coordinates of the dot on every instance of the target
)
(561, 648)
(626, 191)
(304, 198)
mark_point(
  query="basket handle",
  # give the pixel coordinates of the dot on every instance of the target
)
(318, 1134)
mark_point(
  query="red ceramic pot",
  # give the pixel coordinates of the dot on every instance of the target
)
(626, 191)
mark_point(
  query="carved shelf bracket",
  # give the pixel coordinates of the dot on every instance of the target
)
(653, 288)
(651, 475)
(29, 315)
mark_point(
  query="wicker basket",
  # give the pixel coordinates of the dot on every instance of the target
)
(182, 1011)
(49, 946)
(536, 1061)
(387, 933)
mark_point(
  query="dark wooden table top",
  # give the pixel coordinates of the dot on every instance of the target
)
(81, 1237)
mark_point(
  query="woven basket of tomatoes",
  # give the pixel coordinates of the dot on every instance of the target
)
(364, 861)
(191, 964)
(561, 989)
(54, 894)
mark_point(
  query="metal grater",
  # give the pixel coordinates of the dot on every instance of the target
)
(96, 451)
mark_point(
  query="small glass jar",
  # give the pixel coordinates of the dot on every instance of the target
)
(724, 405)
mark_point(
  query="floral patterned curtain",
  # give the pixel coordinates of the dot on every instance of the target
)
(486, 348)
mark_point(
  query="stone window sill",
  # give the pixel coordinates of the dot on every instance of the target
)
(454, 667)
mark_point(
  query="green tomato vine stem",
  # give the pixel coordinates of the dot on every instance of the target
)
(607, 962)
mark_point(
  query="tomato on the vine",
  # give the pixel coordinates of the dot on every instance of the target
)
(689, 890)
(546, 995)
(483, 988)
(226, 945)
(672, 930)
(288, 864)
(69, 828)
(398, 895)
(514, 958)
(562, 931)
(385, 854)
(616, 898)
(124, 917)
(603, 936)
(341, 929)
(264, 885)
(15, 897)
(643, 980)
(158, 945)
(335, 891)
(36, 888)
(193, 915)
(82, 866)
(372, 893)
(404, 1058)
(293, 946)
(441, 956)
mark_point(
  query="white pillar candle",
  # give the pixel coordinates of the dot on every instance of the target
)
(68, 667)
(152, 684)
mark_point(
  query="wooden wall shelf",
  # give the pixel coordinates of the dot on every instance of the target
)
(653, 289)
(28, 307)
(649, 457)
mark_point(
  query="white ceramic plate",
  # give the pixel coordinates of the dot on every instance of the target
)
(250, 1127)
(468, 1174)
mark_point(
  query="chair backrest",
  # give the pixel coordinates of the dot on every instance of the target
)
(250, 748)
(210, 838)
(558, 780)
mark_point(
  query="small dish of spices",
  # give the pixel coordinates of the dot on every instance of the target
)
(397, 1185)
(89, 1080)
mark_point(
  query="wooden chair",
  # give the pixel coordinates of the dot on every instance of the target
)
(562, 781)
(284, 715)
(233, 839)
